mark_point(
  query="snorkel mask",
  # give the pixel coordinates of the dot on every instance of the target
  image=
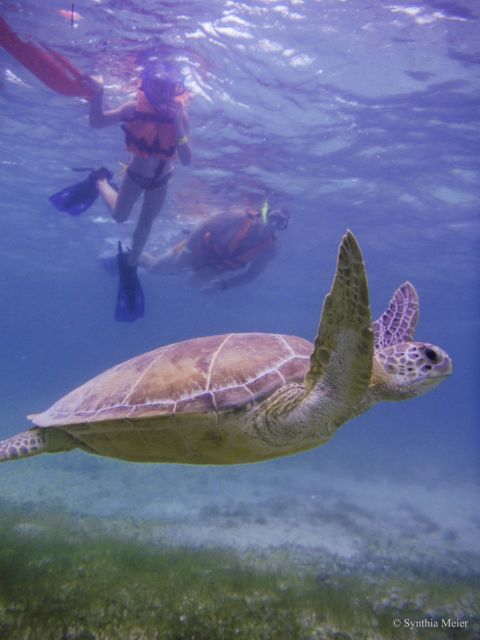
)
(277, 217)
(160, 87)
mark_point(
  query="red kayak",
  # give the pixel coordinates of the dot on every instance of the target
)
(50, 67)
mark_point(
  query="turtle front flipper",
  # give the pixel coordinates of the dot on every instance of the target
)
(398, 323)
(33, 442)
(341, 362)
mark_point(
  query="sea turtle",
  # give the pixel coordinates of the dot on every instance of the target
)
(240, 398)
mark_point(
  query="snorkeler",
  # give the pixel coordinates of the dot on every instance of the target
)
(228, 250)
(156, 130)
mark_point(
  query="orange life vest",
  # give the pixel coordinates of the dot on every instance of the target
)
(150, 133)
(241, 248)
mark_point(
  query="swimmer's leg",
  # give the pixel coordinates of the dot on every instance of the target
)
(152, 203)
(120, 203)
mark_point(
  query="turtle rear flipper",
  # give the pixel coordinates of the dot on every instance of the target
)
(33, 442)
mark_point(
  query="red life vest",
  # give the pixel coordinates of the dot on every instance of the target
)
(149, 132)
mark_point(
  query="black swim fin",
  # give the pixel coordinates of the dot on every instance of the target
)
(130, 300)
(78, 197)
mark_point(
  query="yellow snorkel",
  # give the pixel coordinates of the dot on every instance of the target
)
(264, 212)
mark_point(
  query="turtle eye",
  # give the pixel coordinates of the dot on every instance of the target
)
(431, 355)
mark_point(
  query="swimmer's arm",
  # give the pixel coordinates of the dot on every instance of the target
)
(254, 270)
(170, 262)
(98, 118)
(180, 122)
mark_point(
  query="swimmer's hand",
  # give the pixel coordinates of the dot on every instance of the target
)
(178, 115)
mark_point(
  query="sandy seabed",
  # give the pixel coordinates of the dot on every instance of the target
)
(366, 558)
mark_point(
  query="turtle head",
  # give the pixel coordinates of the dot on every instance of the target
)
(408, 369)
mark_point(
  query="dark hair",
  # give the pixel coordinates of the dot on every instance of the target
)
(161, 81)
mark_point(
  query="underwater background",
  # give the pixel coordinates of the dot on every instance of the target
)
(351, 114)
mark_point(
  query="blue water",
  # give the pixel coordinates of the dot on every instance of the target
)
(351, 114)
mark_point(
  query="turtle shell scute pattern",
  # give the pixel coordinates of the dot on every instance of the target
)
(202, 375)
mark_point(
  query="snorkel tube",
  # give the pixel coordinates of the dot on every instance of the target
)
(264, 211)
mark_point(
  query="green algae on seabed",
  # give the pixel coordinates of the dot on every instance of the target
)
(67, 579)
